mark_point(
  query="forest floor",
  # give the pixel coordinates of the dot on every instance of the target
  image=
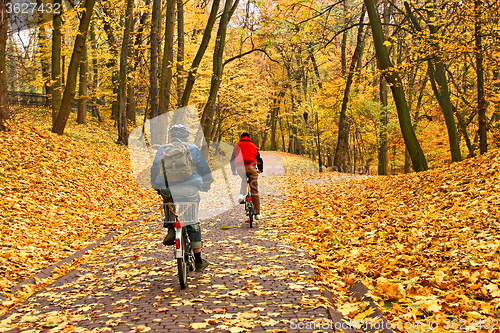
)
(425, 245)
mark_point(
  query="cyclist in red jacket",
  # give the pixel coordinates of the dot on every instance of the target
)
(246, 160)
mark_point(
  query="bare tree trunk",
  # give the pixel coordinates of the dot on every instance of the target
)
(83, 91)
(180, 50)
(4, 105)
(112, 61)
(199, 54)
(69, 92)
(417, 155)
(206, 118)
(121, 119)
(155, 22)
(442, 93)
(383, 150)
(168, 59)
(136, 53)
(131, 104)
(56, 63)
(341, 153)
(95, 69)
(282, 136)
(46, 75)
(481, 100)
(268, 122)
(343, 44)
(274, 118)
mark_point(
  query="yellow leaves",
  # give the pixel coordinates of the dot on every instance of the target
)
(365, 313)
(52, 203)
(199, 325)
(427, 235)
(389, 290)
(351, 310)
(247, 315)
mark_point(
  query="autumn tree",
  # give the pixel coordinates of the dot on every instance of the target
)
(437, 74)
(208, 111)
(69, 92)
(121, 119)
(207, 33)
(4, 105)
(83, 88)
(168, 59)
(417, 156)
(153, 76)
(341, 153)
(56, 62)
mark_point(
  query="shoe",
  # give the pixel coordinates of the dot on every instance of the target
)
(170, 237)
(200, 267)
(241, 199)
(258, 217)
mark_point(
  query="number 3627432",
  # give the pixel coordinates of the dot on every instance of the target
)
(32, 8)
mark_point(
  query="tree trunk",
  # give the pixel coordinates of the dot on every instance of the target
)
(95, 69)
(268, 122)
(168, 59)
(113, 45)
(56, 63)
(437, 73)
(274, 118)
(69, 92)
(282, 135)
(131, 104)
(199, 54)
(44, 61)
(206, 118)
(83, 91)
(180, 52)
(341, 153)
(155, 22)
(121, 119)
(343, 44)
(417, 155)
(383, 150)
(4, 105)
(481, 100)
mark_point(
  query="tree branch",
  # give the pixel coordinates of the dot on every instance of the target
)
(247, 53)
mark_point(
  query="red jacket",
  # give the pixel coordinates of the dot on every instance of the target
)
(246, 153)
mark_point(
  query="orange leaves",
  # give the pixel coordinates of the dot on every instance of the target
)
(59, 194)
(413, 239)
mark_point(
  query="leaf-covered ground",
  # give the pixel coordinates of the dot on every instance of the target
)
(426, 244)
(253, 284)
(60, 193)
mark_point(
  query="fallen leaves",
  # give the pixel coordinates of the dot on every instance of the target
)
(59, 194)
(426, 242)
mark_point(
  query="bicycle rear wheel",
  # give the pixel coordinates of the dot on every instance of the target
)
(250, 216)
(182, 265)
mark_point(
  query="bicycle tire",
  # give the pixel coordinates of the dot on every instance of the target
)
(250, 216)
(190, 260)
(182, 263)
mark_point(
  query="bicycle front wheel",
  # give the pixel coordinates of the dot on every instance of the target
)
(182, 266)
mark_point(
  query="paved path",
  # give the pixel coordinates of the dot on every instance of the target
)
(253, 284)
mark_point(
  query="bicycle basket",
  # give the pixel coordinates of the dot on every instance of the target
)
(187, 212)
